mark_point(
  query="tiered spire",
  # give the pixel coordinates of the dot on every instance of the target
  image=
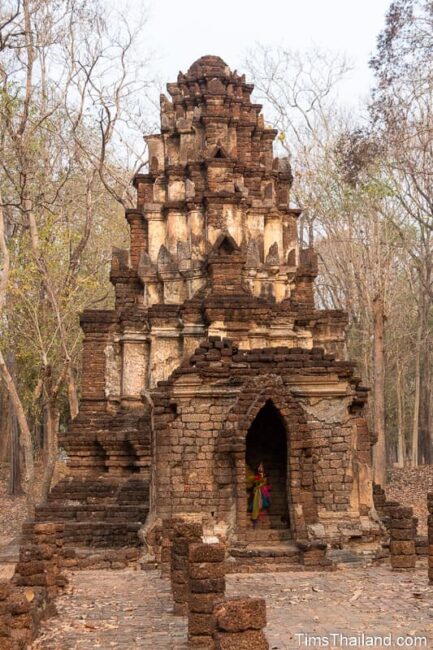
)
(212, 172)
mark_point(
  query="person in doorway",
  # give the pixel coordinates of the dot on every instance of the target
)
(260, 495)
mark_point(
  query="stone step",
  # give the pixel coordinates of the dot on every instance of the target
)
(71, 498)
(102, 534)
(92, 512)
(101, 558)
(264, 558)
(100, 489)
(265, 551)
(345, 556)
(266, 534)
(276, 523)
(263, 567)
(101, 525)
(59, 507)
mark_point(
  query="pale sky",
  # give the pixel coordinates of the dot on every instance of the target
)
(180, 31)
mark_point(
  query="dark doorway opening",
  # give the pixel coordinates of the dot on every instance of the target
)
(267, 443)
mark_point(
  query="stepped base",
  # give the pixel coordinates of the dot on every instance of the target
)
(98, 512)
(103, 534)
(104, 558)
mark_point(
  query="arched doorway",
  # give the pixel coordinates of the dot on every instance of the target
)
(266, 443)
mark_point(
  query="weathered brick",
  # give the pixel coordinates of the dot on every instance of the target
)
(240, 614)
(250, 640)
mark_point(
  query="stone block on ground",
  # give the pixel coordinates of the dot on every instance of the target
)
(239, 614)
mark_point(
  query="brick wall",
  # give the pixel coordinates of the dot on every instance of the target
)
(202, 415)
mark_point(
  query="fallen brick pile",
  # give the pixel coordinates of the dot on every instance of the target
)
(29, 596)
(402, 528)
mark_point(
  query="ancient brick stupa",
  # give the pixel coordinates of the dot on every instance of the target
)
(215, 360)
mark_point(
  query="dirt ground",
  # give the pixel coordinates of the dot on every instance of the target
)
(13, 510)
(133, 609)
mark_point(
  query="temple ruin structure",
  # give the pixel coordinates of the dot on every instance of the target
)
(215, 355)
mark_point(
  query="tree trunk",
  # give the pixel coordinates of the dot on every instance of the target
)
(15, 458)
(424, 422)
(38, 435)
(415, 421)
(72, 393)
(379, 466)
(4, 425)
(424, 452)
(26, 436)
(401, 446)
(50, 455)
(14, 437)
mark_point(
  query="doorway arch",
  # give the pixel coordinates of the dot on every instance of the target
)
(266, 443)
(231, 456)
